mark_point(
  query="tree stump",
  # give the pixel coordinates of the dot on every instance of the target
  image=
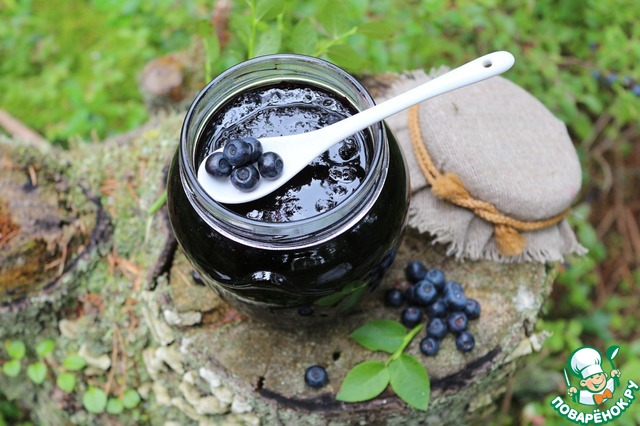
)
(50, 230)
(123, 297)
(264, 368)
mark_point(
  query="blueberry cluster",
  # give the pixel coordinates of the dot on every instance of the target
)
(612, 78)
(244, 162)
(443, 302)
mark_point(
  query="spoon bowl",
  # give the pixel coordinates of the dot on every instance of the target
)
(298, 150)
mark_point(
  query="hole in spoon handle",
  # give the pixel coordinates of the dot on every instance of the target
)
(499, 61)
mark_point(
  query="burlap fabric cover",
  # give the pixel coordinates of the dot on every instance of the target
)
(507, 150)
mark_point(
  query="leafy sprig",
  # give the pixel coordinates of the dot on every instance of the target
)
(321, 28)
(94, 399)
(406, 375)
(16, 350)
(37, 371)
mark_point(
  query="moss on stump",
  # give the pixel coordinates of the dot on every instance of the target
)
(50, 230)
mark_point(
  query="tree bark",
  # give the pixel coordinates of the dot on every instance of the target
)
(110, 285)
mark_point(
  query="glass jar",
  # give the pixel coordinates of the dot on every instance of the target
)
(304, 270)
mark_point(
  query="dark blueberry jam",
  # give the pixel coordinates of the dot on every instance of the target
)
(283, 110)
(314, 248)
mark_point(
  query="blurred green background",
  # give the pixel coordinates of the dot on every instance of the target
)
(70, 69)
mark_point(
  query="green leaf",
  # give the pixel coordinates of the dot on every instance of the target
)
(269, 9)
(94, 400)
(376, 30)
(131, 398)
(162, 199)
(268, 42)
(37, 372)
(241, 28)
(114, 406)
(15, 348)
(334, 18)
(45, 347)
(12, 367)
(304, 38)
(380, 335)
(202, 27)
(66, 382)
(410, 381)
(74, 362)
(212, 50)
(345, 56)
(365, 381)
(587, 235)
(592, 102)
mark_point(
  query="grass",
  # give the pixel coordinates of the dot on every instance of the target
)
(69, 69)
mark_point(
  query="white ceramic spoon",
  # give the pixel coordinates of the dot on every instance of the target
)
(298, 150)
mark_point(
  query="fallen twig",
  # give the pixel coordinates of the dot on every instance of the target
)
(19, 130)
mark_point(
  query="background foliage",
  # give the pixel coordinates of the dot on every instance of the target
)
(70, 69)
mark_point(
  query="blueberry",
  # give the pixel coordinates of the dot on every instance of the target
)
(217, 165)
(316, 376)
(411, 316)
(610, 78)
(465, 341)
(410, 295)
(394, 298)
(414, 271)
(256, 148)
(457, 322)
(429, 346)
(455, 300)
(245, 178)
(348, 149)
(453, 285)
(437, 328)
(237, 152)
(270, 165)
(424, 292)
(636, 89)
(305, 311)
(437, 310)
(436, 276)
(472, 309)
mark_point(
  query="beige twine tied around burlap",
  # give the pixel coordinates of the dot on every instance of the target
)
(493, 172)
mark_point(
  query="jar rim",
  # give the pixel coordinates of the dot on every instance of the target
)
(301, 232)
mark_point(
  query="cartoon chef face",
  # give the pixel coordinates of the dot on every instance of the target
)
(586, 364)
(595, 383)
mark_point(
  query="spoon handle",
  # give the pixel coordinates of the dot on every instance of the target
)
(477, 70)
